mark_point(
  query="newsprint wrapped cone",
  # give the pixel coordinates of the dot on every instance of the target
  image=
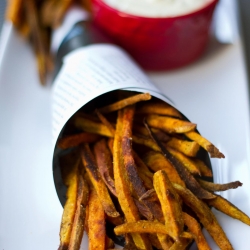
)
(87, 80)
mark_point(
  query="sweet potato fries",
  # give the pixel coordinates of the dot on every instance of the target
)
(140, 171)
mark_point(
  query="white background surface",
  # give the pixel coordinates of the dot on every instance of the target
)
(212, 92)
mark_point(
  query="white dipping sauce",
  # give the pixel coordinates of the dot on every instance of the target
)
(157, 8)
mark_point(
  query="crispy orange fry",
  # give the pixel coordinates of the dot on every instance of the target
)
(207, 145)
(79, 218)
(96, 223)
(105, 165)
(159, 108)
(141, 226)
(71, 181)
(125, 102)
(75, 140)
(129, 163)
(169, 124)
(170, 204)
(92, 127)
(205, 216)
(195, 229)
(215, 187)
(228, 208)
(122, 186)
(100, 187)
(127, 151)
(189, 148)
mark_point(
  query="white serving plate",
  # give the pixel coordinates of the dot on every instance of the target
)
(211, 92)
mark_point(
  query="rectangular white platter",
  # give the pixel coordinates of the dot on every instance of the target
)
(212, 92)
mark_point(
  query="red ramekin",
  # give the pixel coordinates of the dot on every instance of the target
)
(159, 43)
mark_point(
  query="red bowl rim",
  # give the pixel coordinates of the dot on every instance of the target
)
(131, 16)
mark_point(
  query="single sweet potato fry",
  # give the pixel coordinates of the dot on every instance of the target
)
(125, 102)
(141, 226)
(215, 187)
(207, 145)
(170, 204)
(129, 163)
(104, 164)
(79, 218)
(159, 108)
(95, 178)
(122, 186)
(228, 208)
(90, 126)
(169, 124)
(96, 223)
(71, 181)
